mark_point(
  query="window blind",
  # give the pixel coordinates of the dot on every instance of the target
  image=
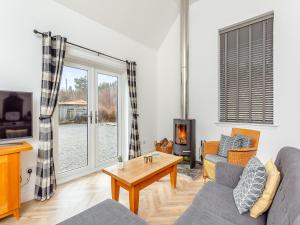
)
(246, 72)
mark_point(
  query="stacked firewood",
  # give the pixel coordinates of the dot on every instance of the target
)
(164, 145)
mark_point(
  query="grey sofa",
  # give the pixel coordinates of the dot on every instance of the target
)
(107, 212)
(214, 204)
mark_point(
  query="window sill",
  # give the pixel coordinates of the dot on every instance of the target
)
(246, 124)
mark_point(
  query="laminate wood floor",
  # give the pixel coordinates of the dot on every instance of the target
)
(159, 203)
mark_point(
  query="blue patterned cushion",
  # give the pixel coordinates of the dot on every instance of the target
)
(215, 158)
(227, 143)
(245, 141)
(250, 186)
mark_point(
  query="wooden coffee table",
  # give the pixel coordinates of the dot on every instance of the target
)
(137, 175)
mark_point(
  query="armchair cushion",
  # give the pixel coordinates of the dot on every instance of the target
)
(227, 143)
(215, 158)
(245, 141)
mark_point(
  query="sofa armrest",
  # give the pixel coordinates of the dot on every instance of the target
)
(227, 174)
(240, 156)
(210, 147)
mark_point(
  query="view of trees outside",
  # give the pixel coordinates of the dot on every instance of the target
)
(107, 129)
(76, 90)
(73, 91)
(107, 98)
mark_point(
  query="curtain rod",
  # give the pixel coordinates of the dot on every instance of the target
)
(87, 49)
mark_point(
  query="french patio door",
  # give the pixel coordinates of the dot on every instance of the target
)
(108, 117)
(88, 121)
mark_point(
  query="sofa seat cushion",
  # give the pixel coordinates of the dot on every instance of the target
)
(214, 205)
(107, 212)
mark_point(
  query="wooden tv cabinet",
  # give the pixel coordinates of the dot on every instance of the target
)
(10, 178)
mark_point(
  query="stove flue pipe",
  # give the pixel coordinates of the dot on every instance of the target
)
(184, 57)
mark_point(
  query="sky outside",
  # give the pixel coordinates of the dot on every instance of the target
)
(70, 73)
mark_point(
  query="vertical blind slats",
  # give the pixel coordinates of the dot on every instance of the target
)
(246, 74)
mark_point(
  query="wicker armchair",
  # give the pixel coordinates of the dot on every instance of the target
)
(235, 156)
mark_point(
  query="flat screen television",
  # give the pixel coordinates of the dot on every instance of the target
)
(15, 115)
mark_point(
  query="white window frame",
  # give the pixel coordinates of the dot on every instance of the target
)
(92, 69)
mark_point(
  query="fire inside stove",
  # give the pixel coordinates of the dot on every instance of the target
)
(181, 134)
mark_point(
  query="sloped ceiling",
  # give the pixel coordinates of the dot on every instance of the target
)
(146, 21)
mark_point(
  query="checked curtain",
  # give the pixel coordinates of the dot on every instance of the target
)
(134, 143)
(53, 56)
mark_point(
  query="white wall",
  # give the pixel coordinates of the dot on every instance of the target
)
(158, 73)
(20, 60)
(206, 17)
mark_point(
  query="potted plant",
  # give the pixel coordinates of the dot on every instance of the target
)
(120, 162)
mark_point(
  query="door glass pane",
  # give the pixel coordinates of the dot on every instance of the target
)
(73, 120)
(107, 126)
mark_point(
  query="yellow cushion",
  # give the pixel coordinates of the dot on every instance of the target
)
(210, 169)
(265, 200)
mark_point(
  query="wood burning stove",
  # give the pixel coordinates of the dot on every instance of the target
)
(184, 139)
(184, 128)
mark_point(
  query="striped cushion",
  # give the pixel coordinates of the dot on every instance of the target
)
(250, 186)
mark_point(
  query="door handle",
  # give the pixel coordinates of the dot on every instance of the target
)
(91, 117)
(96, 117)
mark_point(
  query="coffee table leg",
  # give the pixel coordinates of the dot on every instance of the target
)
(134, 200)
(173, 176)
(115, 189)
